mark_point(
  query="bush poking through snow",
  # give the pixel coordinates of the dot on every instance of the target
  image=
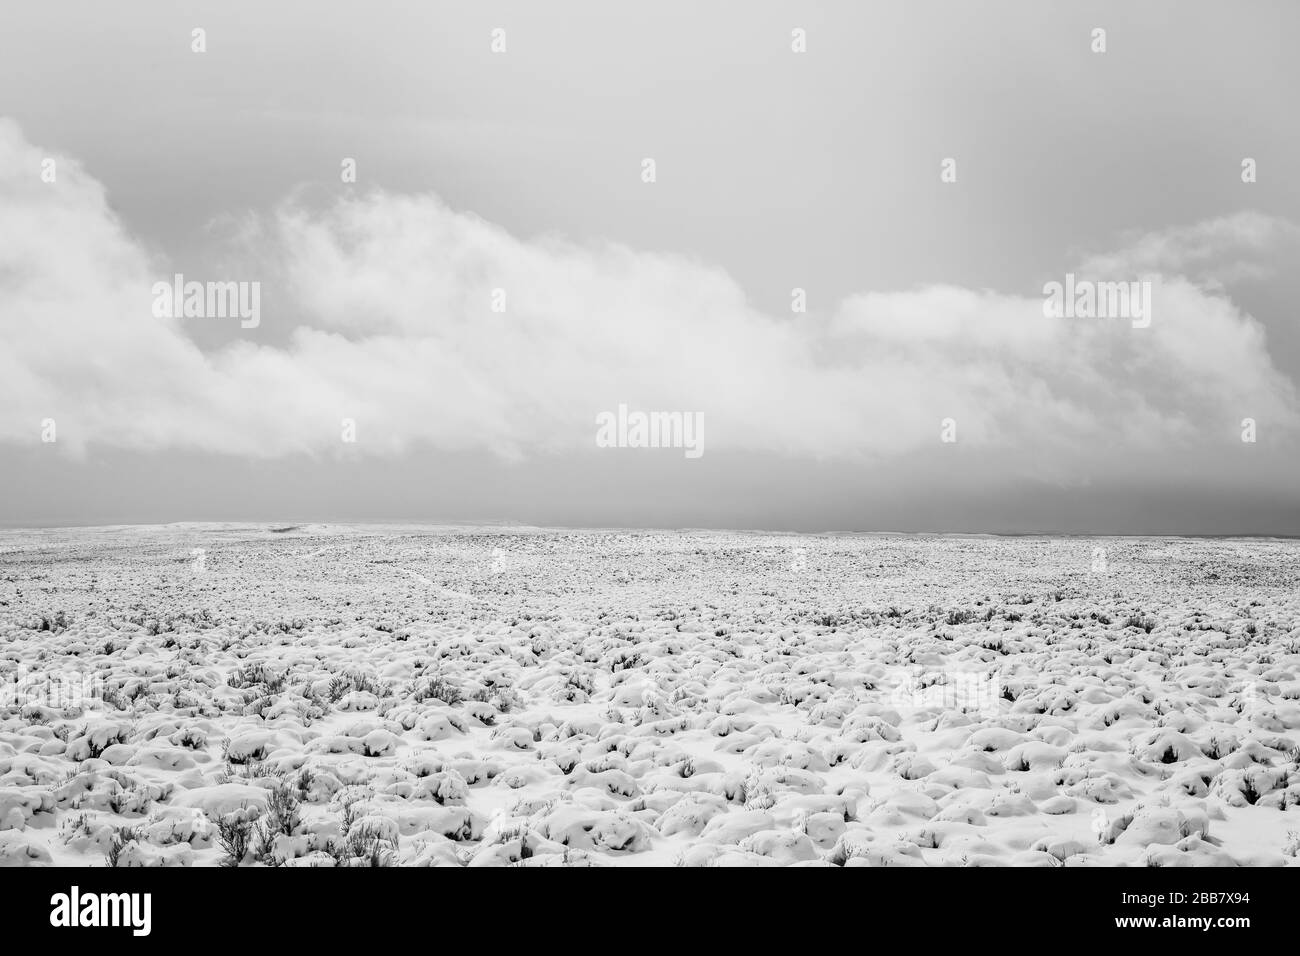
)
(122, 838)
(235, 836)
(370, 842)
(282, 818)
(257, 674)
(434, 687)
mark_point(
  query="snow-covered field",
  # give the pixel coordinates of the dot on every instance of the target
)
(325, 695)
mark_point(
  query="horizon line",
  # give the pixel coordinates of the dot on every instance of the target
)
(287, 526)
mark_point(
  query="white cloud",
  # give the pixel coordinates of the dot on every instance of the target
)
(395, 329)
(1216, 252)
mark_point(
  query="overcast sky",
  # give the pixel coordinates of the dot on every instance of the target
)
(775, 170)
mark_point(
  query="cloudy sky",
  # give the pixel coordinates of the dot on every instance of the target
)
(775, 170)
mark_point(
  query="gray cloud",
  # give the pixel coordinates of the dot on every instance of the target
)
(398, 333)
(519, 172)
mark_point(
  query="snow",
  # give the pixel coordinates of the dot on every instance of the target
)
(336, 695)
